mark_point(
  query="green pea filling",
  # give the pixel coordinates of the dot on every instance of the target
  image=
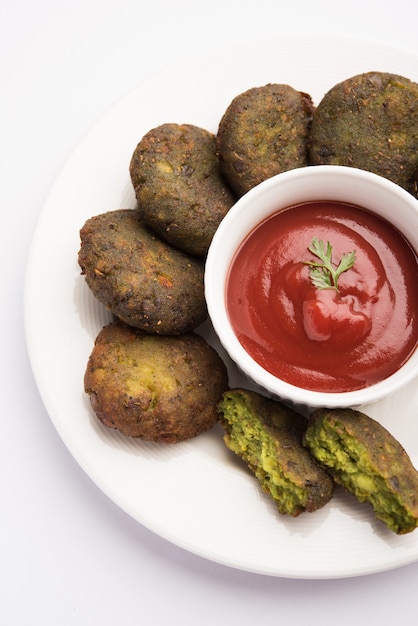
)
(249, 439)
(348, 461)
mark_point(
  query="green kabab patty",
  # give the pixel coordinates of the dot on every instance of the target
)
(267, 435)
(181, 193)
(263, 132)
(367, 461)
(140, 278)
(369, 121)
(157, 388)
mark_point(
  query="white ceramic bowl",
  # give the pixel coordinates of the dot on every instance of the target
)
(323, 182)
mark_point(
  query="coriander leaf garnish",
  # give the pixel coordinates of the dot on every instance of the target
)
(323, 275)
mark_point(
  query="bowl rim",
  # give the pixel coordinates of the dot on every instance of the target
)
(219, 258)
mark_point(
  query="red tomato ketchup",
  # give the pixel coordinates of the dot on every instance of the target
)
(325, 339)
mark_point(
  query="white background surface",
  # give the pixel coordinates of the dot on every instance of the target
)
(68, 555)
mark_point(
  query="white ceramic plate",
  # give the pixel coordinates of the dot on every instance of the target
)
(195, 494)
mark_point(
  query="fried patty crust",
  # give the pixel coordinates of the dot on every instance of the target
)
(367, 461)
(161, 389)
(141, 279)
(264, 131)
(179, 188)
(369, 121)
(267, 435)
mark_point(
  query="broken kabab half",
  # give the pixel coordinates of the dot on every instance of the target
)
(365, 459)
(267, 436)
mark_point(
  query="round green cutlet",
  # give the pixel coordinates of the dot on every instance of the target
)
(369, 121)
